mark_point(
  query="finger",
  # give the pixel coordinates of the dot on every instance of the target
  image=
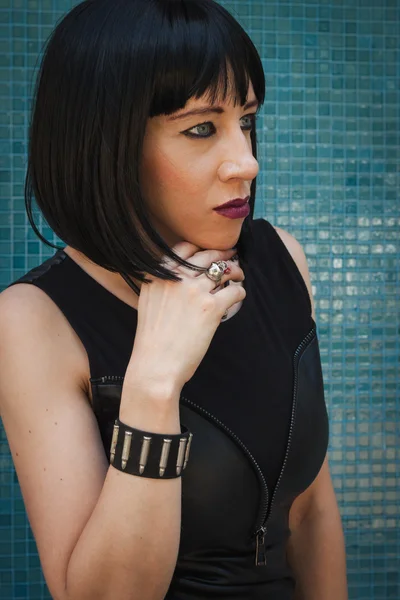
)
(193, 254)
(182, 249)
(229, 296)
(235, 273)
(205, 258)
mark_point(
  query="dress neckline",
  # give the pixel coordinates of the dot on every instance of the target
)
(127, 307)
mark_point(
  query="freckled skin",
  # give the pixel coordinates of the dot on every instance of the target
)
(183, 179)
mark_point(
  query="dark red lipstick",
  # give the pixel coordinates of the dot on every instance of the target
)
(235, 202)
(238, 208)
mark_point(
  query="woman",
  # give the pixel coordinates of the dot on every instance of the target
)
(169, 430)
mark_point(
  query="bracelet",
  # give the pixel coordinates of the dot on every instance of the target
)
(154, 455)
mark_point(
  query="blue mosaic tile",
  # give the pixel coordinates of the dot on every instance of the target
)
(329, 152)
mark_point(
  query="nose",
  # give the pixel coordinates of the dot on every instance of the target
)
(240, 161)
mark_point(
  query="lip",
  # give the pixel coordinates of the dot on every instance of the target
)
(235, 203)
(235, 212)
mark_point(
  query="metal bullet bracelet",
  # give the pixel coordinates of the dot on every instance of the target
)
(147, 454)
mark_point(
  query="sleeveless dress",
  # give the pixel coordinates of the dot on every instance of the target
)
(255, 406)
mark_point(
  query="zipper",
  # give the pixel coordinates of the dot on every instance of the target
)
(264, 513)
(261, 529)
(108, 379)
(299, 349)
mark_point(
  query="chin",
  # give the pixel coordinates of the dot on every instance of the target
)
(215, 236)
(224, 240)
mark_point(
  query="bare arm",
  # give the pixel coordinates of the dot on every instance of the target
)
(98, 530)
(316, 547)
(103, 534)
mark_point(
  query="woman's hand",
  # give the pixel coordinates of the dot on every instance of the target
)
(177, 320)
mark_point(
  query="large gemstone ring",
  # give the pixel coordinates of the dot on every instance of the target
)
(216, 270)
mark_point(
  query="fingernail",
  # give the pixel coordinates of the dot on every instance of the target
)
(227, 270)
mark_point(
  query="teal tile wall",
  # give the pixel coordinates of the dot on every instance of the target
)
(329, 157)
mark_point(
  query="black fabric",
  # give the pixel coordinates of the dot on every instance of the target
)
(255, 406)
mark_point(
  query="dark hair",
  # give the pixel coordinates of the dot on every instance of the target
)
(107, 67)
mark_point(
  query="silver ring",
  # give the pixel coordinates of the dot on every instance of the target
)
(216, 270)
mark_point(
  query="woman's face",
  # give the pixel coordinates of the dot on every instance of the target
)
(193, 163)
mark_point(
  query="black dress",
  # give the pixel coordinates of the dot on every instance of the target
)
(255, 407)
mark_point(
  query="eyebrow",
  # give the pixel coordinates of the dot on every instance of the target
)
(208, 109)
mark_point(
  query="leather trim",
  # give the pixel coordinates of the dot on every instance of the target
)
(40, 270)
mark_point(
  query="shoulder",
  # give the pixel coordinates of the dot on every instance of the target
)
(24, 303)
(295, 249)
(62, 459)
(298, 255)
(23, 308)
(265, 230)
(31, 325)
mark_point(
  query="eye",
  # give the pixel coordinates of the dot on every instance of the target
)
(251, 119)
(204, 128)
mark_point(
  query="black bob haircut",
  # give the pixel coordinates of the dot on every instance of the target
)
(107, 67)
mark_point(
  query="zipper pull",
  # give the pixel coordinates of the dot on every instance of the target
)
(260, 547)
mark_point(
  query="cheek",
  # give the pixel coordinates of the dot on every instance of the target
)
(171, 183)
